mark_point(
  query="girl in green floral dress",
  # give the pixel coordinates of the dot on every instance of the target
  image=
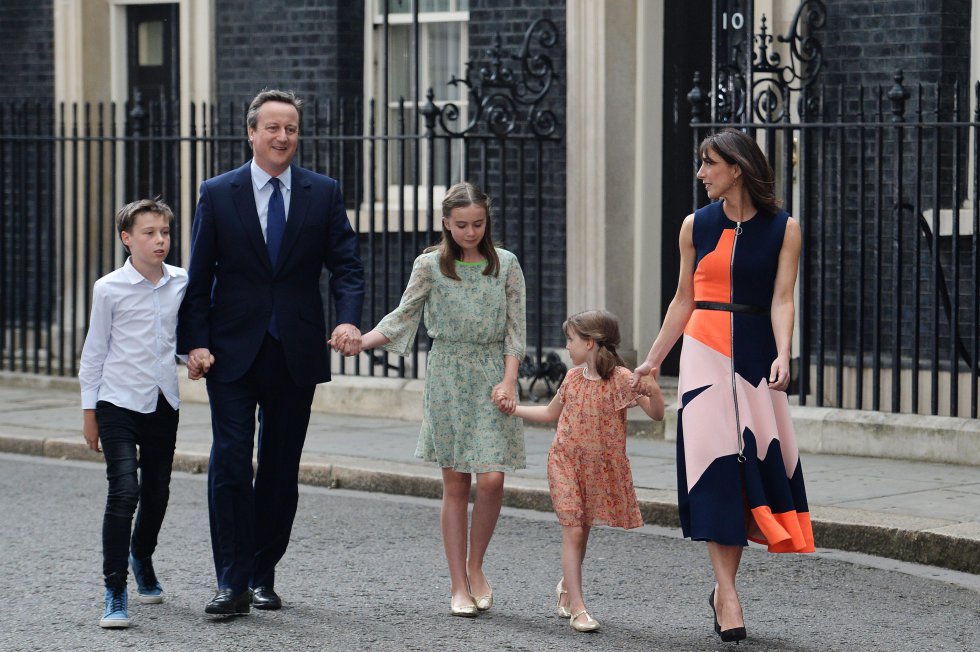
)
(471, 296)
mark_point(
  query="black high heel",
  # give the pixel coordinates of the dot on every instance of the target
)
(711, 603)
(735, 634)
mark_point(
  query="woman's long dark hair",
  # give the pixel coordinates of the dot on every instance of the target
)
(461, 195)
(737, 148)
(601, 327)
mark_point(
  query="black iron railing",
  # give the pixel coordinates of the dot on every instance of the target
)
(888, 198)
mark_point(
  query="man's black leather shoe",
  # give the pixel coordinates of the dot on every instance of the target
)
(264, 597)
(227, 603)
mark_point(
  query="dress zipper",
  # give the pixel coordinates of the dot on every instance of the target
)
(731, 317)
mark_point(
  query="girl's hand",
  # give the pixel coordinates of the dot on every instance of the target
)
(646, 386)
(502, 408)
(645, 369)
(504, 396)
(346, 339)
(779, 374)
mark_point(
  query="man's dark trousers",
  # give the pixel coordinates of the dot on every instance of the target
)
(241, 559)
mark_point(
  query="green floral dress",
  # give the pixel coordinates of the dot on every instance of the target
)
(474, 322)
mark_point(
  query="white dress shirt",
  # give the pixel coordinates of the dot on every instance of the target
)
(129, 356)
(262, 190)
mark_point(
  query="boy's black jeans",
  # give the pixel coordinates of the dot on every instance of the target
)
(121, 431)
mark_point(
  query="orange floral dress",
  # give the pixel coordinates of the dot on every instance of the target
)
(588, 472)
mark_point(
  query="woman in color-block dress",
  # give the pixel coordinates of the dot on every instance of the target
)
(738, 467)
(472, 297)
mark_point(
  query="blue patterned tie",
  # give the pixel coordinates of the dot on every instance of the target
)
(275, 226)
(276, 222)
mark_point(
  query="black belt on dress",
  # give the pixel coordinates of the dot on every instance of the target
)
(732, 307)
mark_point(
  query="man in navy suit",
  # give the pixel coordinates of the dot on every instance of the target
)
(252, 319)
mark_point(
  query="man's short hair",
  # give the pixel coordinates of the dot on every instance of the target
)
(273, 95)
(126, 216)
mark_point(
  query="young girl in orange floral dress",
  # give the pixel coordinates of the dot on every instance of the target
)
(588, 471)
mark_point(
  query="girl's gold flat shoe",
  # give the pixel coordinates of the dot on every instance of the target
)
(590, 624)
(563, 612)
(483, 602)
(463, 610)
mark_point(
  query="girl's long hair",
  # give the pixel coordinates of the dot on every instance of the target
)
(737, 148)
(601, 327)
(461, 195)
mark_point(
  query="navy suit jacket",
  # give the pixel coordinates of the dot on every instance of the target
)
(233, 290)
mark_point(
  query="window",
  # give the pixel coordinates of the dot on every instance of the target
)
(443, 39)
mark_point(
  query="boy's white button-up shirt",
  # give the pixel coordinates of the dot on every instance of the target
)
(129, 356)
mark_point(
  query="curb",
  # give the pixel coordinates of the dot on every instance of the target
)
(833, 431)
(840, 529)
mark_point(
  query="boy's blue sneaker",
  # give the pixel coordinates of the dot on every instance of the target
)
(148, 589)
(116, 608)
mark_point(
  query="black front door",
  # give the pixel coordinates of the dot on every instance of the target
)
(687, 48)
(153, 52)
(153, 64)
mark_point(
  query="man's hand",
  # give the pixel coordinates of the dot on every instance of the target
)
(346, 339)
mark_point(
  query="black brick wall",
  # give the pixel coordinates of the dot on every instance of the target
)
(27, 55)
(26, 93)
(313, 48)
(864, 42)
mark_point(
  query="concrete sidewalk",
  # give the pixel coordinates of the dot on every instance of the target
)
(913, 511)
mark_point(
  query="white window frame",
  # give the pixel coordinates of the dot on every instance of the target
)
(374, 50)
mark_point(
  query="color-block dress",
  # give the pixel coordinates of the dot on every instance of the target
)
(738, 467)
(588, 472)
(473, 322)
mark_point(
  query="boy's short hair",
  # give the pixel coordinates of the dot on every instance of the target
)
(126, 216)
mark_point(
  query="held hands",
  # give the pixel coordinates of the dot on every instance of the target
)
(504, 396)
(346, 339)
(779, 374)
(647, 385)
(645, 369)
(199, 363)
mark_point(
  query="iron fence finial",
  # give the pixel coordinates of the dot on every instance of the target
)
(898, 95)
(696, 96)
(137, 112)
(429, 111)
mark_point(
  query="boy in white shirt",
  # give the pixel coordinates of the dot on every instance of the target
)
(128, 377)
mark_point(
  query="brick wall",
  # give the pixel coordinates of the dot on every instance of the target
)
(313, 48)
(27, 55)
(26, 91)
(864, 42)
